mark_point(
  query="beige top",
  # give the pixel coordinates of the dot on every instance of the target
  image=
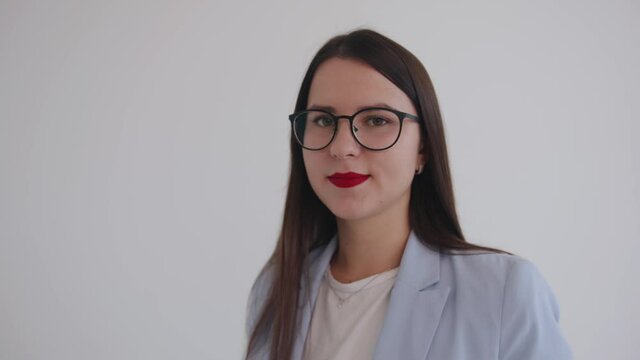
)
(349, 330)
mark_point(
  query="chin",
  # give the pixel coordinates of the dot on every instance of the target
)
(349, 218)
(346, 212)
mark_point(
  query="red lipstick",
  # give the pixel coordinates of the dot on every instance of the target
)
(347, 180)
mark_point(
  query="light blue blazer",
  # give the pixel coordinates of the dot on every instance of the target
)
(448, 306)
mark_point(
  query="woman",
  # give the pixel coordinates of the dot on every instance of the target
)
(371, 262)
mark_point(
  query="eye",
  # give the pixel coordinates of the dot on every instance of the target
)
(323, 121)
(377, 121)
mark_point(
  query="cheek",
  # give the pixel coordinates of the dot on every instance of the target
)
(391, 175)
(398, 163)
(313, 164)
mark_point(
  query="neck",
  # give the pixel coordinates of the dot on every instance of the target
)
(372, 245)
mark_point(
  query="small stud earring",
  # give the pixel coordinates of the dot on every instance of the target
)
(419, 170)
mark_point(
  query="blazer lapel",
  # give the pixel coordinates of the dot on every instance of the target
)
(415, 306)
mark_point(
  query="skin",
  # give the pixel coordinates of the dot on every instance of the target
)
(372, 217)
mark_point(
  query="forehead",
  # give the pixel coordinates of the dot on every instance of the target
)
(347, 85)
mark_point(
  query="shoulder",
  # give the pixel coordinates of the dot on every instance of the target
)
(481, 260)
(505, 270)
(525, 305)
(488, 268)
(503, 278)
(261, 287)
(484, 275)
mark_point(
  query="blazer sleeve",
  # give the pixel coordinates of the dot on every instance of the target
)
(530, 317)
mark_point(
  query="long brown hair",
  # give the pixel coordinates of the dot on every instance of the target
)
(308, 223)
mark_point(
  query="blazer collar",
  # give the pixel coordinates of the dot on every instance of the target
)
(414, 307)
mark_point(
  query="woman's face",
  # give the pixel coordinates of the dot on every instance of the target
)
(346, 85)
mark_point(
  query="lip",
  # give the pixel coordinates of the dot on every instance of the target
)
(348, 179)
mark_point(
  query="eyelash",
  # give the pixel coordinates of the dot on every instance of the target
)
(376, 118)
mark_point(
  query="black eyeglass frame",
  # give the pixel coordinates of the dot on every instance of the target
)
(401, 116)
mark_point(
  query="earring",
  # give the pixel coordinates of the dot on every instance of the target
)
(419, 170)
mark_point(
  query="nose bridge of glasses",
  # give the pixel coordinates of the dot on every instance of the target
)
(348, 122)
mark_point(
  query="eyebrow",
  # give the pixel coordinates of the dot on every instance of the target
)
(332, 109)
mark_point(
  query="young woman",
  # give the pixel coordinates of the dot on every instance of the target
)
(371, 262)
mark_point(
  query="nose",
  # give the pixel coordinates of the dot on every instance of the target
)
(343, 143)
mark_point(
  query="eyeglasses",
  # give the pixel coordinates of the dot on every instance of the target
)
(375, 128)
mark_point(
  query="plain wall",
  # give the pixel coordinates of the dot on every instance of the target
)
(144, 158)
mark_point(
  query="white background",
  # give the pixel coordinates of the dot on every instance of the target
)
(144, 158)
